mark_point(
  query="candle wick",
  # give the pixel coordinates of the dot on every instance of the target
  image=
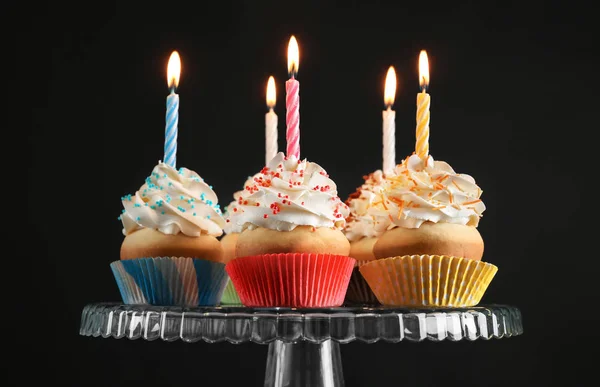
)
(172, 88)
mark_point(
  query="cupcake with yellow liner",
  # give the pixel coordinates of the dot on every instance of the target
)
(291, 251)
(171, 254)
(433, 250)
(362, 230)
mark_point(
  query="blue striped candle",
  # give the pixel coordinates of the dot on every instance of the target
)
(172, 116)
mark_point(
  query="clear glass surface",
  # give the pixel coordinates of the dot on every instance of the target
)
(290, 325)
(303, 344)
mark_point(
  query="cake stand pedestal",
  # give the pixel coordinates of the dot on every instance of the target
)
(303, 343)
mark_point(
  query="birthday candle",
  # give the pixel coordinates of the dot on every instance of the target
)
(270, 123)
(172, 116)
(423, 104)
(292, 101)
(389, 124)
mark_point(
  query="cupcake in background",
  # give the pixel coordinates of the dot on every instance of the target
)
(231, 229)
(431, 254)
(170, 254)
(229, 240)
(362, 230)
(291, 251)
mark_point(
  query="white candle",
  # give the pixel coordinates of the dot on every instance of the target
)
(389, 123)
(270, 123)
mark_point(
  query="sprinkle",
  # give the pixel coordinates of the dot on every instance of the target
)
(194, 214)
(193, 206)
(153, 207)
(181, 197)
(165, 175)
(119, 217)
(210, 186)
(181, 208)
(207, 216)
(138, 219)
(163, 212)
(265, 216)
(136, 205)
(122, 211)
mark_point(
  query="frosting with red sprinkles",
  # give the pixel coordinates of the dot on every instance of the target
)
(288, 193)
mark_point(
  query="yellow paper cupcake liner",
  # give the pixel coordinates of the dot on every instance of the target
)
(428, 280)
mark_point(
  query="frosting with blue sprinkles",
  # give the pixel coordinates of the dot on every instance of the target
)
(173, 201)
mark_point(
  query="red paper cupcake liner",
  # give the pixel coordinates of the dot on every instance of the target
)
(298, 280)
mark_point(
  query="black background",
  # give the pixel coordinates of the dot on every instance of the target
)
(513, 98)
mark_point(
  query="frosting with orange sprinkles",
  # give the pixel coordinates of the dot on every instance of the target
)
(432, 191)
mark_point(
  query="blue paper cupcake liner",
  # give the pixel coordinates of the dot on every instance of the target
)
(230, 296)
(170, 281)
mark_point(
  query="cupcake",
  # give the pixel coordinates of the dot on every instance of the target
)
(362, 230)
(170, 254)
(431, 254)
(229, 239)
(291, 251)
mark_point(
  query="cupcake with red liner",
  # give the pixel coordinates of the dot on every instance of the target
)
(171, 254)
(431, 254)
(362, 230)
(291, 251)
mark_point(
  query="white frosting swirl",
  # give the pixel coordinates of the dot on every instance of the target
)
(361, 223)
(173, 201)
(238, 197)
(432, 192)
(288, 193)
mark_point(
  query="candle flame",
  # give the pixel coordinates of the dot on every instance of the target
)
(293, 56)
(390, 87)
(173, 70)
(271, 94)
(423, 70)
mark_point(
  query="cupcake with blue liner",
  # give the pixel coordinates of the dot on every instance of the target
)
(171, 254)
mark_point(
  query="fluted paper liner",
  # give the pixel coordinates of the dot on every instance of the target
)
(170, 281)
(428, 280)
(359, 292)
(299, 280)
(230, 295)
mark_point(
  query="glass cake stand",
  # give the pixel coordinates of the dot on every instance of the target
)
(303, 343)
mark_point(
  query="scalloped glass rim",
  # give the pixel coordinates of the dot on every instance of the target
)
(315, 325)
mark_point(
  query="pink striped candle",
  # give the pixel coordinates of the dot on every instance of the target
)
(292, 102)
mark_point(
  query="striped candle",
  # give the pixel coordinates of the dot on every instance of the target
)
(292, 102)
(172, 116)
(423, 103)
